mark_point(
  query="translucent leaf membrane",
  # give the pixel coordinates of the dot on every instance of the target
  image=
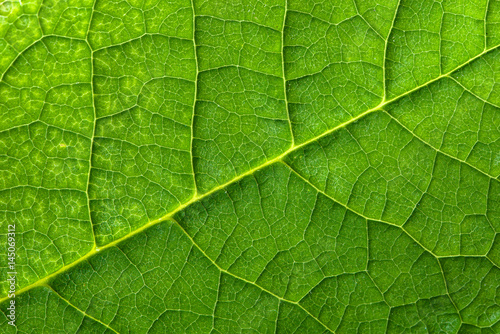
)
(251, 166)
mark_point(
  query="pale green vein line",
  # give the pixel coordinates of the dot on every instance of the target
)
(138, 38)
(437, 149)
(320, 19)
(283, 72)
(79, 310)
(90, 22)
(44, 123)
(471, 256)
(490, 185)
(239, 21)
(194, 101)
(237, 178)
(217, 297)
(277, 318)
(38, 17)
(29, 46)
(330, 65)
(385, 49)
(367, 247)
(245, 280)
(401, 227)
(480, 326)
(94, 125)
(477, 292)
(238, 66)
(380, 291)
(485, 25)
(474, 94)
(46, 188)
(448, 292)
(358, 213)
(366, 22)
(440, 34)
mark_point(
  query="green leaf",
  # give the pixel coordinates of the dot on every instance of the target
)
(251, 166)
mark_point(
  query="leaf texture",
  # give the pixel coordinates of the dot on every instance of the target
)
(262, 166)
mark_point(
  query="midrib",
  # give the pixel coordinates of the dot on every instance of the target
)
(95, 250)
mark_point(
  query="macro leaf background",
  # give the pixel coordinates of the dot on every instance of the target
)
(253, 166)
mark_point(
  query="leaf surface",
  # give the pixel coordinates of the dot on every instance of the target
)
(251, 166)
